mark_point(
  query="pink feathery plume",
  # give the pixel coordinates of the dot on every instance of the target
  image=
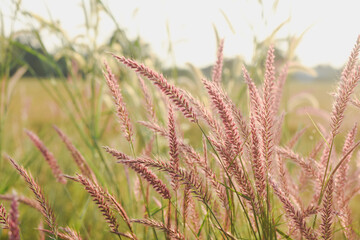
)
(4, 219)
(309, 165)
(217, 70)
(144, 172)
(172, 233)
(279, 88)
(101, 201)
(255, 99)
(341, 174)
(148, 100)
(14, 230)
(121, 110)
(296, 216)
(348, 81)
(233, 142)
(175, 95)
(327, 213)
(341, 181)
(256, 160)
(69, 234)
(294, 140)
(77, 156)
(45, 208)
(173, 145)
(49, 157)
(267, 115)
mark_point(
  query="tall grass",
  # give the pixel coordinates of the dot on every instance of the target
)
(207, 162)
(234, 181)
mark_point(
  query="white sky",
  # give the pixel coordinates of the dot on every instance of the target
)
(335, 25)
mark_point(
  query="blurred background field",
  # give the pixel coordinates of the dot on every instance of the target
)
(44, 84)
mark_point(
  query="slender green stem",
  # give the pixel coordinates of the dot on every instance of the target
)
(217, 221)
(325, 173)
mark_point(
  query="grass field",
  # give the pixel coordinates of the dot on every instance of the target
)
(33, 108)
(106, 147)
(139, 156)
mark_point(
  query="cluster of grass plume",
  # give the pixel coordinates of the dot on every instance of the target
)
(235, 186)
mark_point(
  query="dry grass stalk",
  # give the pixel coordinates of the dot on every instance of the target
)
(4, 220)
(168, 89)
(46, 210)
(121, 110)
(77, 156)
(49, 157)
(173, 234)
(14, 230)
